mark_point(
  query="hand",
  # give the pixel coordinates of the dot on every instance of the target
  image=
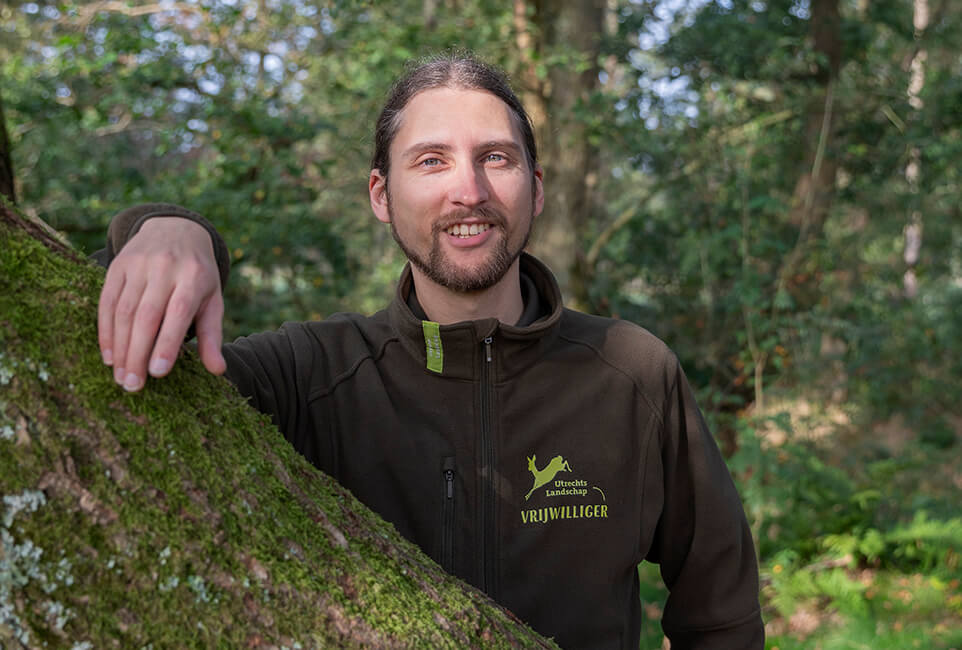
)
(164, 279)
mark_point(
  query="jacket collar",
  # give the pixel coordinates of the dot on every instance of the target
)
(457, 350)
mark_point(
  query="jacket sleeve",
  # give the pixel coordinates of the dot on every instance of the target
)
(702, 541)
(126, 223)
(264, 370)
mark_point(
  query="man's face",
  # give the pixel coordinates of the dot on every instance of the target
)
(460, 197)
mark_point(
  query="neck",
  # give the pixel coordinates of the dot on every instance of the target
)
(502, 301)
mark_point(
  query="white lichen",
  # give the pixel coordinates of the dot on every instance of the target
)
(169, 584)
(199, 587)
(7, 432)
(163, 555)
(6, 374)
(16, 503)
(57, 614)
(63, 575)
(19, 564)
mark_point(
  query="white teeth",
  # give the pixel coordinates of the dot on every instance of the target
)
(463, 230)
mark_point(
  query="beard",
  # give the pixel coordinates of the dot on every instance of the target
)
(442, 271)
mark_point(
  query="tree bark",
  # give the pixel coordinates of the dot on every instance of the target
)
(814, 190)
(179, 517)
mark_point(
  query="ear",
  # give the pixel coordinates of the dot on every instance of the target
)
(377, 190)
(538, 190)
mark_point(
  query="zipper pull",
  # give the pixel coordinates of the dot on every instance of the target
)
(449, 480)
(487, 349)
(447, 470)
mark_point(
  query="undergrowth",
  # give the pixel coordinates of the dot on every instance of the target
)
(859, 547)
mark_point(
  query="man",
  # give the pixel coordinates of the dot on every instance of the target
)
(538, 453)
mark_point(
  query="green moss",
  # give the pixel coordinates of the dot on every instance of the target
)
(179, 517)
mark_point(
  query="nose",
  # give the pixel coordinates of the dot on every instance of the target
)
(469, 186)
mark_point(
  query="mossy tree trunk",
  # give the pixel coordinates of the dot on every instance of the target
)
(179, 517)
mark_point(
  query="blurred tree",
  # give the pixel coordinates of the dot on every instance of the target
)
(559, 46)
(756, 212)
(7, 188)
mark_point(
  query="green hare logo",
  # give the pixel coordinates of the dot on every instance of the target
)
(543, 476)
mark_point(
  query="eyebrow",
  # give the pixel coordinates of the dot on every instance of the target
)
(420, 147)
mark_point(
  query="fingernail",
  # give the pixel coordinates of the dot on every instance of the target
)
(132, 382)
(108, 356)
(159, 367)
(119, 375)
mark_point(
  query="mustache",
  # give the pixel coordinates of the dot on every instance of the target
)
(483, 213)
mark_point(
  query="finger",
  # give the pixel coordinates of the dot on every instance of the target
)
(152, 310)
(210, 334)
(109, 293)
(124, 313)
(181, 309)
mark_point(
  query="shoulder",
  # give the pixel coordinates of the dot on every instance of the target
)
(339, 341)
(625, 347)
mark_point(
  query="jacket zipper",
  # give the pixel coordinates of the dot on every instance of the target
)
(486, 545)
(447, 515)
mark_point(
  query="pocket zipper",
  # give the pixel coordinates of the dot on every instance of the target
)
(447, 515)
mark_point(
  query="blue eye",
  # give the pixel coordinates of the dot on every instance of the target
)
(430, 162)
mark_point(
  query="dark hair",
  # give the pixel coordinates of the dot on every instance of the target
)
(446, 71)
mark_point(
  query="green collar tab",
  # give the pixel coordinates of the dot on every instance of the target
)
(432, 343)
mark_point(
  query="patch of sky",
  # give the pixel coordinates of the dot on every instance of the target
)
(98, 34)
(195, 54)
(213, 81)
(274, 66)
(307, 10)
(187, 95)
(801, 9)
(304, 36)
(674, 88)
(251, 59)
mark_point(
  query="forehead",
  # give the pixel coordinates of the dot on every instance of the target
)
(455, 116)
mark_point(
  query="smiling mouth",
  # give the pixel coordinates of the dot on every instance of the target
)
(463, 230)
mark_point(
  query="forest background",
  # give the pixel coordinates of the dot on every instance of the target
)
(771, 186)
